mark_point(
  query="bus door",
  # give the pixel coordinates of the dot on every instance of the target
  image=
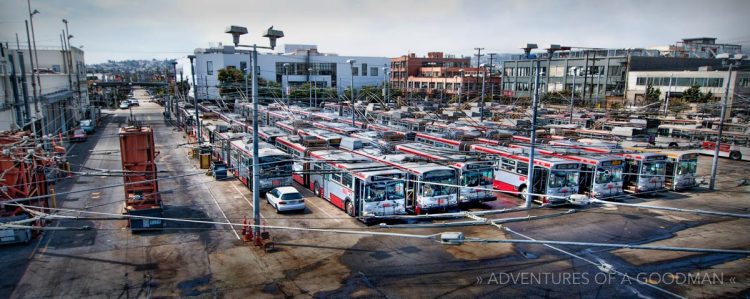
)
(670, 171)
(540, 180)
(630, 178)
(359, 195)
(411, 190)
(586, 179)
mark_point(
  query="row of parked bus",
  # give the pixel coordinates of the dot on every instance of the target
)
(382, 169)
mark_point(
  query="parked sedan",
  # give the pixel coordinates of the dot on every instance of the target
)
(134, 102)
(79, 135)
(124, 104)
(285, 199)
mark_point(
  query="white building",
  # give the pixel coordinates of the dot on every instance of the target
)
(62, 94)
(327, 70)
(709, 80)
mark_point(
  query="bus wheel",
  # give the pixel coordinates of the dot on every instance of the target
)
(349, 208)
(316, 190)
(735, 155)
(522, 192)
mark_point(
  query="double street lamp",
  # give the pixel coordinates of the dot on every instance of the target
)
(272, 35)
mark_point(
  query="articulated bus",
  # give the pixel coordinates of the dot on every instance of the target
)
(554, 177)
(475, 176)
(357, 185)
(429, 186)
(601, 174)
(275, 165)
(681, 168)
(644, 172)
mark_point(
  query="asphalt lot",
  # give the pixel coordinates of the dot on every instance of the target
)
(207, 260)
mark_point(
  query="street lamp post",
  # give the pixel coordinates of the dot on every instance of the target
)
(309, 83)
(286, 84)
(385, 86)
(272, 35)
(573, 94)
(351, 86)
(460, 86)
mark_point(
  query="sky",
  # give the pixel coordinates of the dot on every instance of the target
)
(139, 29)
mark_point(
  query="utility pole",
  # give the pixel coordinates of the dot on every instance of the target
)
(573, 94)
(195, 95)
(476, 80)
(532, 138)
(481, 109)
(666, 95)
(351, 85)
(715, 160)
(492, 86)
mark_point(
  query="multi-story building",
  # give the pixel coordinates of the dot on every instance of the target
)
(672, 82)
(297, 65)
(57, 99)
(440, 75)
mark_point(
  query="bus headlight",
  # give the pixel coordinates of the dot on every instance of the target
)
(463, 198)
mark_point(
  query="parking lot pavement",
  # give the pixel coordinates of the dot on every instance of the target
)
(210, 260)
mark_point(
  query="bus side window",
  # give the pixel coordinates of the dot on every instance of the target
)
(523, 168)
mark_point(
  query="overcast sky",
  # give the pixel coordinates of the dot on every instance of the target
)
(133, 29)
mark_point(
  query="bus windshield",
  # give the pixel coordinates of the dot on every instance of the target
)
(687, 167)
(443, 177)
(275, 165)
(476, 178)
(611, 175)
(563, 178)
(654, 168)
(385, 191)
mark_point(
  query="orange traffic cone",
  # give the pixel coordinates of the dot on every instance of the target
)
(244, 225)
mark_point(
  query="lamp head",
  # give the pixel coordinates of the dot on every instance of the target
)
(236, 31)
(70, 36)
(35, 12)
(351, 61)
(65, 21)
(273, 35)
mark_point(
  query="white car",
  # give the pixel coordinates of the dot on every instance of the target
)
(124, 104)
(285, 199)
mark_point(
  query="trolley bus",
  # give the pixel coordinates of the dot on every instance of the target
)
(554, 177)
(644, 172)
(475, 176)
(681, 167)
(275, 165)
(429, 186)
(601, 174)
(359, 186)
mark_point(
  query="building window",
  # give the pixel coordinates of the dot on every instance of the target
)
(522, 86)
(56, 68)
(715, 82)
(641, 81)
(355, 71)
(507, 86)
(523, 71)
(508, 71)
(243, 66)
(209, 67)
(364, 69)
(743, 82)
(374, 71)
(682, 81)
(432, 85)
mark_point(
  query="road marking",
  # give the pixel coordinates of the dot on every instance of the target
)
(323, 210)
(222, 212)
(247, 200)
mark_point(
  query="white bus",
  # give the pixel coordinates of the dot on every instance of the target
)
(475, 176)
(429, 186)
(554, 177)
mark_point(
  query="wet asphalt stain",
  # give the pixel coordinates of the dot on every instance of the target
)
(191, 287)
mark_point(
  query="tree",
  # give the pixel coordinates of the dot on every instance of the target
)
(678, 105)
(652, 94)
(230, 81)
(692, 94)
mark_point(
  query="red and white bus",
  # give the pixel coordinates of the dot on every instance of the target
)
(643, 173)
(601, 174)
(429, 186)
(681, 168)
(475, 176)
(554, 177)
(332, 139)
(359, 186)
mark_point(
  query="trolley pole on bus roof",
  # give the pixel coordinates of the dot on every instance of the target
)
(272, 35)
